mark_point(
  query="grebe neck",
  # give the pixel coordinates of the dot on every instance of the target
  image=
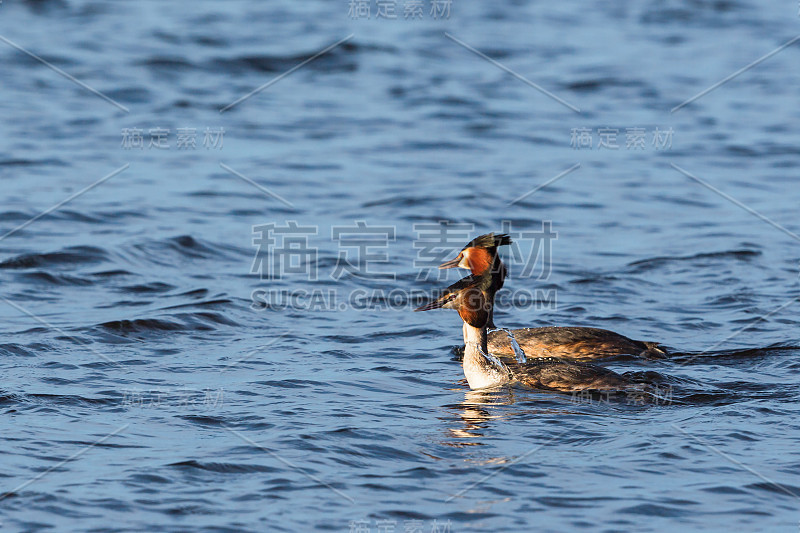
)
(481, 370)
(476, 337)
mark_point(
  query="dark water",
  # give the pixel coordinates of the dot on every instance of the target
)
(130, 348)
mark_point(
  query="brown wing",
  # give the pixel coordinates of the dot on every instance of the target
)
(567, 376)
(571, 343)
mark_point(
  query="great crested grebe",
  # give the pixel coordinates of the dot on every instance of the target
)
(480, 256)
(482, 370)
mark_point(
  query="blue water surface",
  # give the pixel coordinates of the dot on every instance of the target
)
(145, 387)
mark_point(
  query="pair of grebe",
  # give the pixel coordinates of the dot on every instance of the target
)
(549, 355)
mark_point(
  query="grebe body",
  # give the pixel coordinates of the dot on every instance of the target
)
(480, 256)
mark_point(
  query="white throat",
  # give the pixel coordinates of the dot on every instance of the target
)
(481, 370)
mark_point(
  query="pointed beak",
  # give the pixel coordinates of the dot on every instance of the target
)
(438, 303)
(451, 264)
(435, 304)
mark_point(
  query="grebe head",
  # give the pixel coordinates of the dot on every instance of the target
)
(480, 257)
(479, 254)
(468, 297)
